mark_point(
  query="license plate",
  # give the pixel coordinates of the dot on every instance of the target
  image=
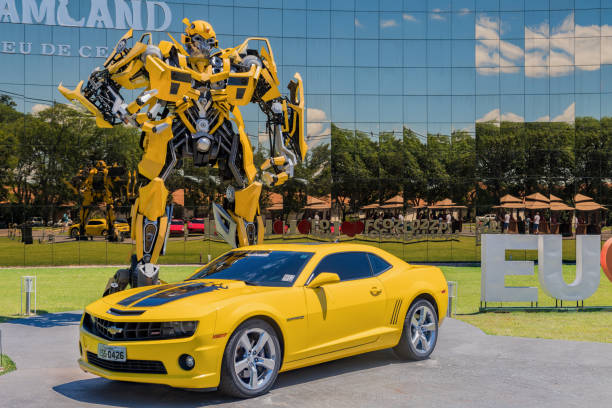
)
(112, 353)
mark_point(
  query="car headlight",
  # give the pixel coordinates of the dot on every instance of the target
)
(178, 329)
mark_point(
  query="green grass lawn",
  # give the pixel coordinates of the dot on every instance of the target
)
(7, 364)
(581, 326)
(72, 288)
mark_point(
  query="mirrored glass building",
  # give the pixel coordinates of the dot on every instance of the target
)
(427, 120)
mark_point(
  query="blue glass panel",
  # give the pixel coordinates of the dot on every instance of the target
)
(343, 80)
(391, 54)
(318, 79)
(588, 105)
(414, 25)
(343, 52)
(391, 25)
(415, 81)
(464, 81)
(415, 53)
(318, 51)
(343, 24)
(512, 81)
(294, 51)
(366, 24)
(463, 53)
(343, 108)
(366, 108)
(391, 81)
(463, 24)
(438, 25)
(415, 108)
(391, 108)
(246, 21)
(367, 53)
(366, 81)
(536, 108)
(294, 23)
(222, 19)
(439, 108)
(487, 5)
(318, 24)
(439, 53)
(270, 22)
(464, 108)
(439, 81)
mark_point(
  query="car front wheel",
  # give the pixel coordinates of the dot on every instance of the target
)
(251, 360)
(420, 332)
(74, 232)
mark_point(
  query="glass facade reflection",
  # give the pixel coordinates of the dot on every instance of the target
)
(410, 103)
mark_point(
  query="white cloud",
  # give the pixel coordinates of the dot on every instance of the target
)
(438, 17)
(491, 116)
(358, 24)
(495, 117)
(568, 115)
(38, 107)
(316, 115)
(561, 46)
(408, 17)
(388, 23)
(464, 11)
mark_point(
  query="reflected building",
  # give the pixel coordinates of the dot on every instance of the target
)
(425, 100)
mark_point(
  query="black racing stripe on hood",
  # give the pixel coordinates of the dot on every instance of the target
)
(179, 293)
(138, 296)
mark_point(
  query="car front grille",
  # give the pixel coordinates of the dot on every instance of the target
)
(133, 331)
(128, 366)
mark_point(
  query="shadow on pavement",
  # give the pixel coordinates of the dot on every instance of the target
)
(49, 319)
(126, 394)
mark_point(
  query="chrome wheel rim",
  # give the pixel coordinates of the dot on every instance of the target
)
(423, 329)
(255, 358)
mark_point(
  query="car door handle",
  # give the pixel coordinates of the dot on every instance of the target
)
(375, 291)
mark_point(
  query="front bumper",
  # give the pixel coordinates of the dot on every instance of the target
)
(207, 355)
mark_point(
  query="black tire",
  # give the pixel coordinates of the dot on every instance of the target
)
(231, 383)
(104, 233)
(74, 232)
(425, 332)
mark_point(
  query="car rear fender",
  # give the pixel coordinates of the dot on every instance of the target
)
(417, 282)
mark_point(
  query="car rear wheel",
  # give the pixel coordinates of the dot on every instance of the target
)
(251, 360)
(420, 332)
(74, 232)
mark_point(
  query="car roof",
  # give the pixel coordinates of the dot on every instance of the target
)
(316, 247)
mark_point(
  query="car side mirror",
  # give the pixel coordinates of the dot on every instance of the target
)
(323, 278)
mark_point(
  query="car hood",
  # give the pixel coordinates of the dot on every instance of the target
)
(195, 297)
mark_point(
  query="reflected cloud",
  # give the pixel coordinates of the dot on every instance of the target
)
(493, 116)
(39, 107)
(388, 23)
(563, 45)
(358, 24)
(438, 17)
(409, 17)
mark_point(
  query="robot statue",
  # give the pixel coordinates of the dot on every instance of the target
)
(101, 184)
(192, 95)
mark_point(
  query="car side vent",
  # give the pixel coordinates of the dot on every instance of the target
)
(396, 310)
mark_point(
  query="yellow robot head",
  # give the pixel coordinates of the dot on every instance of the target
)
(199, 37)
(100, 164)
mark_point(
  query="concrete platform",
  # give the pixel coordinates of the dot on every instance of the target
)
(468, 369)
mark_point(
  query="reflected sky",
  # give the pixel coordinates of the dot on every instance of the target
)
(432, 65)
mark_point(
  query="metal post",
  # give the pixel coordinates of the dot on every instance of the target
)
(1, 354)
(452, 299)
(28, 285)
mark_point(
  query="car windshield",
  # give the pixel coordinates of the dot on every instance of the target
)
(120, 221)
(261, 268)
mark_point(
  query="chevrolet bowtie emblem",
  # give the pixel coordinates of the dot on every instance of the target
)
(114, 330)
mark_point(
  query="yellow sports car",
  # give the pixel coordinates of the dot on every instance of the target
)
(256, 311)
(99, 226)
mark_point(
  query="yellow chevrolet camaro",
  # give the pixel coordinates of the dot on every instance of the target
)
(256, 311)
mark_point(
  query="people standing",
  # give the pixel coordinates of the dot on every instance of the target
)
(536, 223)
(506, 222)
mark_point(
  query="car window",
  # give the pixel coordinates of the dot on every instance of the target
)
(95, 222)
(378, 264)
(348, 266)
(177, 222)
(261, 268)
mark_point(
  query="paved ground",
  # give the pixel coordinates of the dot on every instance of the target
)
(468, 369)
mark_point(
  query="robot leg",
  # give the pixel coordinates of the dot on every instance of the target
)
(240, 224)
(150, 228)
